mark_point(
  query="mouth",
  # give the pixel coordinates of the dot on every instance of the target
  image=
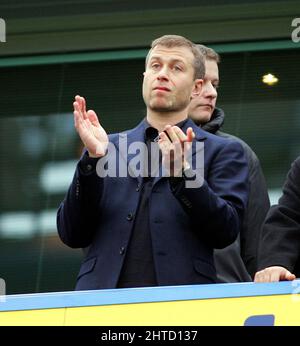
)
(207, 106)
(160, 88)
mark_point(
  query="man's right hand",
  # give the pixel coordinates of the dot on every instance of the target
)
(89, 129)
(274, 274)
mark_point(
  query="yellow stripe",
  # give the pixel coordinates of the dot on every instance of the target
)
(223, 312)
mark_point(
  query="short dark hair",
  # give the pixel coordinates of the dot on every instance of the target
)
(171, 41)
(209, 53)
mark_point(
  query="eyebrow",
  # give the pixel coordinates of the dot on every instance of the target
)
(214, 80)
(157, 57)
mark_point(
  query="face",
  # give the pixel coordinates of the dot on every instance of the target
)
(169, 79)
(202, 106)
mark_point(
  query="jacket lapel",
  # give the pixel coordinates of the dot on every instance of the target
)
(129, 141)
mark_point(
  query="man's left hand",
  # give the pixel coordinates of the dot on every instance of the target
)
(175, 145)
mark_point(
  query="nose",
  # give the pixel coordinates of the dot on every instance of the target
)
(163, 74)
(210, 91)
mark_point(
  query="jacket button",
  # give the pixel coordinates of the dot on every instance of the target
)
(129, 217)
(122, 250)
(89, 168)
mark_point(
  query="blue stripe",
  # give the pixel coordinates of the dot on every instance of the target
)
(143, 295)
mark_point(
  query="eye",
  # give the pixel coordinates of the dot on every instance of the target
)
(177, 68)
(155, 66)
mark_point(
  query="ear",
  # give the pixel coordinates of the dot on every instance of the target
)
(144, 74)
(197, 88)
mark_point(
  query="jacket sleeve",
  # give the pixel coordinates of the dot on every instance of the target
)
(255, 213)
(216, 207)
(77, 215)
(280, 237)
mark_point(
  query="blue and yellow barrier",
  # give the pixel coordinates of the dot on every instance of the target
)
(195, 305)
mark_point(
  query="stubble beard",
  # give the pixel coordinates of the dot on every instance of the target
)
(170, 106)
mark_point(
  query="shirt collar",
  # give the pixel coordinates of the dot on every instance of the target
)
(151, 133)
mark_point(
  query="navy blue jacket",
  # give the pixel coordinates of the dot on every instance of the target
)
(186, 223)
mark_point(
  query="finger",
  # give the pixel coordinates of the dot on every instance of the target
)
(165, 144)
(171, 133)
(83, 106)
(92, 116)
(163, 147)
(78, 122)
(78, 100)
(180, 134)
(190, 134)
(75, 106)
(266, 277)
(164, 138)
(178, 152)
(258, 277)
(162, 144)
(275, 276)
(262, 276)
(287, 275)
